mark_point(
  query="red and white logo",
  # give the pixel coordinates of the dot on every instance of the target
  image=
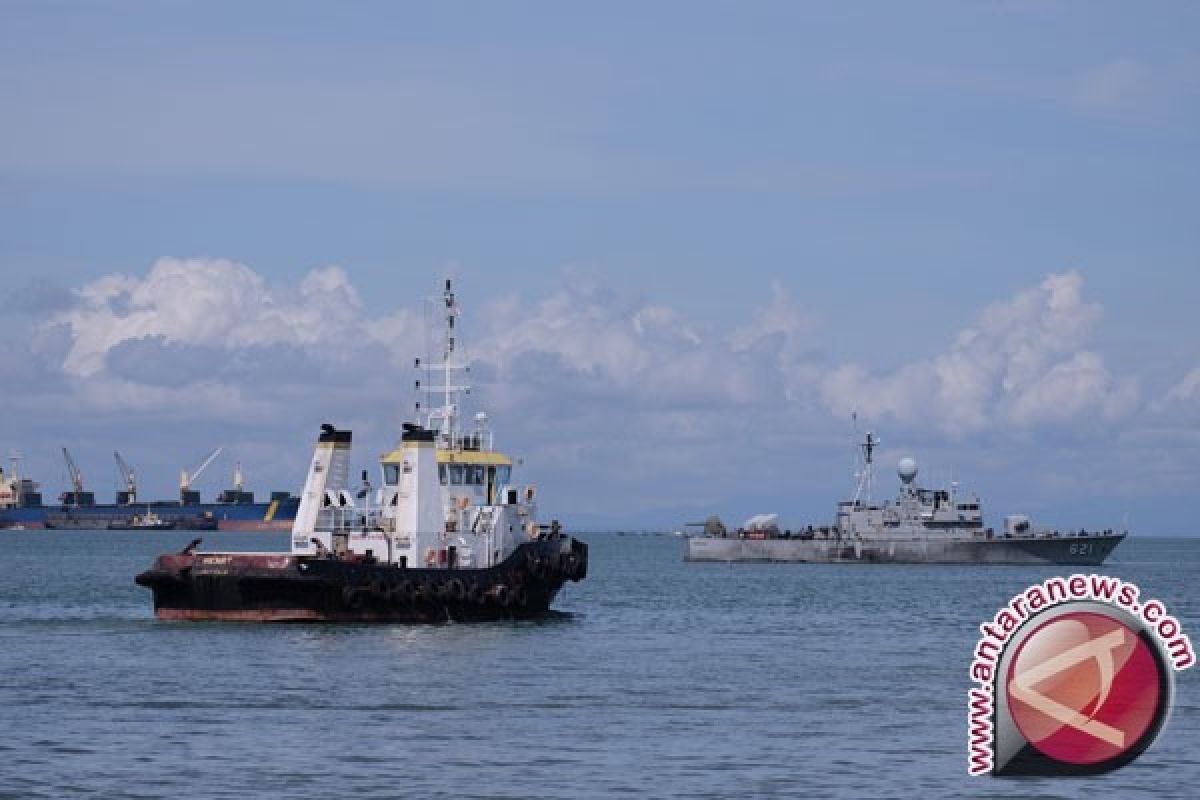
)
(1074, 677)
(1084, 688)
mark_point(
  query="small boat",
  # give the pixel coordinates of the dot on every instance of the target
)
(448, 536)
(143, 522)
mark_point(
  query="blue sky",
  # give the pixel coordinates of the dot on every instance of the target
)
(689, 236)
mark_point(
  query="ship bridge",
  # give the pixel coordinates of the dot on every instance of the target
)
(478, 475)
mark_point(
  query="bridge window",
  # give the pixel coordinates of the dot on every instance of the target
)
(391, 474)
(456, 474)
(442, 475)
(503, 475)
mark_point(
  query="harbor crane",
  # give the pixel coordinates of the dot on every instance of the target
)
(127, 496)
(77, 496)
(186, 493)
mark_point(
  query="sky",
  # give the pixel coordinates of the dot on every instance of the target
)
(700, 247)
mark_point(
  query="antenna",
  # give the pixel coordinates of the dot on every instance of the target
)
(866, 478)
(445, 378)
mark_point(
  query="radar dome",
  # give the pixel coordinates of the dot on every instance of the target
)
(907, 469)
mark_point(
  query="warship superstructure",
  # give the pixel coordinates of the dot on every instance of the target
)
(921, 526)
(448, 536)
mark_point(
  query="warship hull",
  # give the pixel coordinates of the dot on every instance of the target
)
(1067, 550)
(281, 587)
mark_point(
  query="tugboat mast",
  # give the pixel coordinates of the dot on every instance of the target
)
(446, 386)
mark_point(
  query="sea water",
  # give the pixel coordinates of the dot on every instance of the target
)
(658, 678)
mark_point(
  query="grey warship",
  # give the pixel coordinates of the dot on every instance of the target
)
(921, 526)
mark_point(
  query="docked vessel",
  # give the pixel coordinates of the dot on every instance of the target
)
(142, 522)
(448, 536)
(921, 526)
(234, 509)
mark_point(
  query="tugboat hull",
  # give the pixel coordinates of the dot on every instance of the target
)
(262, 587)
(1068, 550)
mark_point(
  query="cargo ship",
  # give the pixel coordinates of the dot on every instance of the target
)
(234, 509)
(448, 535)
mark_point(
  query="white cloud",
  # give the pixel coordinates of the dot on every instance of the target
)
(1023, 364)
(216, 303)
(781, 318)
(1182, 398)
(578, 379)
(583, 342)
(1187, 390)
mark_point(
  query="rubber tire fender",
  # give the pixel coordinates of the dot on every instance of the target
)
(476, 592)
(453, 589)
(538, 568)
(404, 591)
(354, 596)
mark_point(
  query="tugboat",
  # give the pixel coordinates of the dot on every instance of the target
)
(922, 526)
(447, 537)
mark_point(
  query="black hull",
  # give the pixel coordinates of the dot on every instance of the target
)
(286, 588)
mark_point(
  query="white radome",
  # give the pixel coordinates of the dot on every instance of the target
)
(907, 469)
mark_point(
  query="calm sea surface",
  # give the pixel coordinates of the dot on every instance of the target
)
(659, 679)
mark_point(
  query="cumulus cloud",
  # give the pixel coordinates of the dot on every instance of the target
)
(579, 377)
(1023, 363)
(587, 343)
(216, 304)
(213, 323)
(1183, 396)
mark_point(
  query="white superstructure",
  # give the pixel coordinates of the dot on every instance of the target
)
(446, 497)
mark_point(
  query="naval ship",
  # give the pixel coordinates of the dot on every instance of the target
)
(921, 526)
(448, 536)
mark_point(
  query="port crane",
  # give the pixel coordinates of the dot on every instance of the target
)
(129, 496)
(75, 497)
(186, 493)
